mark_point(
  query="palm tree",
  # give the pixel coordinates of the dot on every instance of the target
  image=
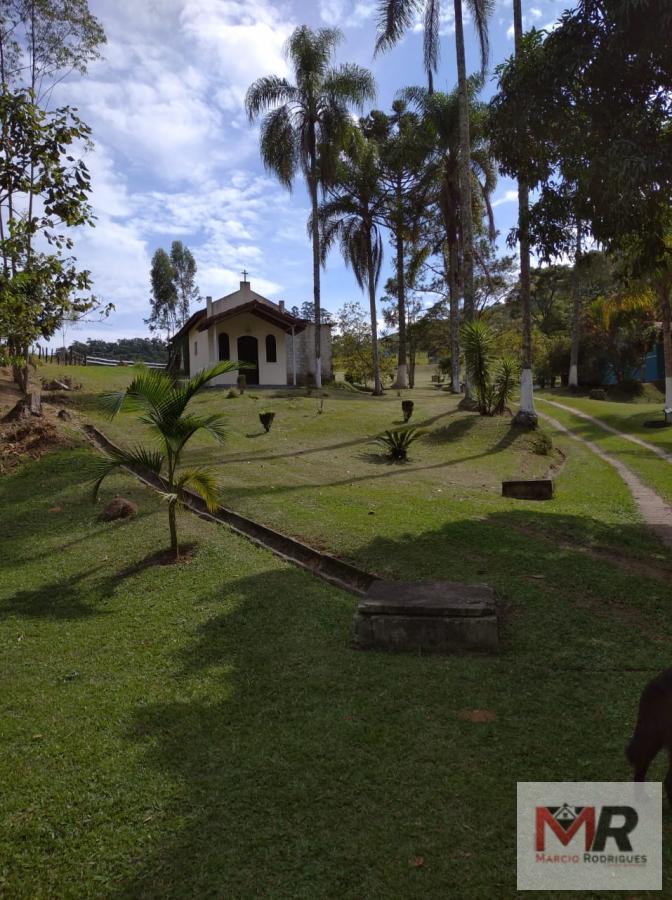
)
(526, 414)
(162, 404)
(440, 113)
(304, 124)
(395, 17)
(351, 216)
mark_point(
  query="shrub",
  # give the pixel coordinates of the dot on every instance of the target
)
(266, 419)
(542, 443)
(493, 389)
(396, 441)
(407, 409)
(231, 394)
(598, 394)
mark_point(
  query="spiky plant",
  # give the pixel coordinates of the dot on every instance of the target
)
(304, 124)
(396, 441)
(493, 386)
(162, 405)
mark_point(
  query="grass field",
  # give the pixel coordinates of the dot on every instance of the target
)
(207, 730)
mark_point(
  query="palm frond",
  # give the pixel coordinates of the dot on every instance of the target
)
(350, 84)
(310, 51)
(278, 145)
(394, 18)
(266, 93)
(137, 458)
(187, 425)
(148, 390)
(202, 482)
(481, 11)
(431, 41)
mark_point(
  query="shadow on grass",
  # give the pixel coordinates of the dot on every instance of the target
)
(314, 770)
(66, 598)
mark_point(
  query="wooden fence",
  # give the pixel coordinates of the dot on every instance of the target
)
(72, 358)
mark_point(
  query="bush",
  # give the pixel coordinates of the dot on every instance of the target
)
(542, 443)
(266, 419)
(493, 389)
(396, 441)
(598, 394)
(231, 394)
(407, 409)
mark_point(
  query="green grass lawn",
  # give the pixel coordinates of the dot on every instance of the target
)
(207, 730)
(629, 419)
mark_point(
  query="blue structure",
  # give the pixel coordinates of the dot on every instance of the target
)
(652, 370)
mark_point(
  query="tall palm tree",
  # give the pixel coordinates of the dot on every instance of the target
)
(162, 404)
(440, 114)
(304, 123)
(526, 414)
(352, 215)
(395, 17)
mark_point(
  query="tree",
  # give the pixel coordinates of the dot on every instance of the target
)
(39, 288)
(352, 346)
(162, 404)
(396, 16)
(351, 216)
(526, 415)
(403, 148)
(582, 114)
(304, 125)
(164, 299)
(307, 312)
(44, 187)
(184, 279)
(441, 115)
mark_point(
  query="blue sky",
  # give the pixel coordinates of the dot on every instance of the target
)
(176, 159)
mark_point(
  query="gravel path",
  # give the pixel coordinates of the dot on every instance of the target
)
(653, 509)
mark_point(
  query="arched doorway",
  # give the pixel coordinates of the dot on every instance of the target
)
(248, 351)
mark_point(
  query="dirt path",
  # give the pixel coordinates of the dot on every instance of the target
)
(663, 454)
(653, 509)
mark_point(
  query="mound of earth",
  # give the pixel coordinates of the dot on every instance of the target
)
(28, 439)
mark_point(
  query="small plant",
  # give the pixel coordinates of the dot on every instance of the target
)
(231, 394)
(542, 444)
(320, 407)
(598, 394)
(266, 419)
(241, 381)
(407, 409)
(493, 389)
(396, 441)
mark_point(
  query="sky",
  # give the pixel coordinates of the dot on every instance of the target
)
(175, 158)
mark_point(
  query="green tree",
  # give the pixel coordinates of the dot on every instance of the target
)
(441, 114)
(350, 216)
(396, 16)
(580, 116)
(43, 185)
(162, 404)
(38, 288)
(403, 150)
(184, 279)
(304, 125)
(164, 297)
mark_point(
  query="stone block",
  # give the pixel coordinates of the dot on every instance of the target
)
(430, 617)
(538, 489)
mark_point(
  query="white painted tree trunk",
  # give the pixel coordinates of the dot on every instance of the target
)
(526, 391)
(574, 376)
(402, 376)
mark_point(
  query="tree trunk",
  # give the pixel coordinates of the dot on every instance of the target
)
(666, 316)
(172, 523)
(526, 414)
(576, 316)
(377, 385)
(464, 160)
(312, 182)
(451, 263)
(402, 369)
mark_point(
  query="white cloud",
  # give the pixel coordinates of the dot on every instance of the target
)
(347, 13)
(508, 197)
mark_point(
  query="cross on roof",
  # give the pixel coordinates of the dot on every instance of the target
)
(244, 273)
